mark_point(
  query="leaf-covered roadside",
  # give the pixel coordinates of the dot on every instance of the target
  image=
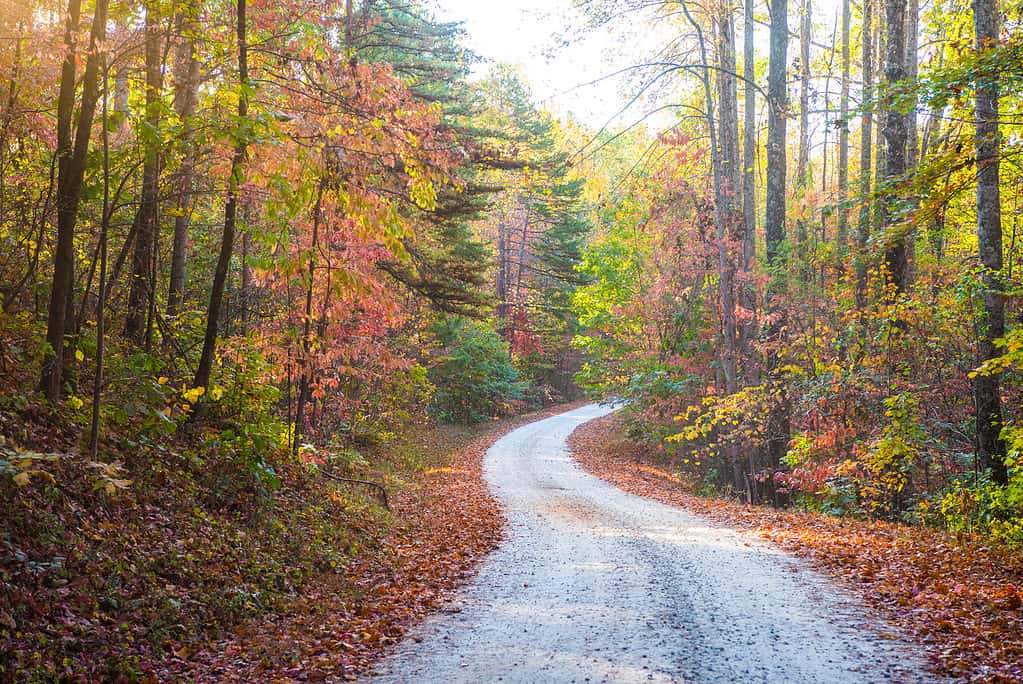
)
(443, 524)
(959, 597)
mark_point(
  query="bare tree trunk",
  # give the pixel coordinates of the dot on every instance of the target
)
(990, 447)
(774, 219)
(747, 295)
(306, 381)
(912, 134)
(141, 291)
(866, 137)
(70, 176)
(186, 84)
(97, 383)
(842, 236)
(732, 216)
(202, 374)
(895, 135)
(802, 179)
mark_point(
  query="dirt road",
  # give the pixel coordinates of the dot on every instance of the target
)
(595, 585)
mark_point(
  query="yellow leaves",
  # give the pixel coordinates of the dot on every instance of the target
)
(193, 395)
(75, 403)
(79, 355)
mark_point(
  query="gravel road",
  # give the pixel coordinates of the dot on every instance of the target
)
(595, 585)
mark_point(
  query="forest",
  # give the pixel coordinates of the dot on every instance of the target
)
(275, 275)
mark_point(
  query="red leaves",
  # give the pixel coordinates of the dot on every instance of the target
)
(960, 597)
(444, 523)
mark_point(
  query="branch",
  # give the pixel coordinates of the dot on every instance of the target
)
(376, 485)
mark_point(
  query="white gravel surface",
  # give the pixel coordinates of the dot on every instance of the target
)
(596, 585)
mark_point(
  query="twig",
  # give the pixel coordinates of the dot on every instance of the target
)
(376, 485)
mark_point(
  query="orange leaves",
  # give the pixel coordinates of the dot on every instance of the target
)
(959, 596)
(443, 524)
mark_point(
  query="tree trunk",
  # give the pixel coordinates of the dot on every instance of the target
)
(70, 176)
(137, 324)
(732, 216)
(803, 160)
(101, 305)
(306, 381)
(895, 136)
(990, 448)
(202, 374)
(866, 137)
(728, 139)
(186, 85)
(842, 236)
(774, 219)
(747, 294)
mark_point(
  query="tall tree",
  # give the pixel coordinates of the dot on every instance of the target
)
(843, 134)
(802, 179)
(730, 177)
(774, 217)
(990, 448)
(138, 324)
(747, 295)
(205, 367)
(866, 137)
(71, 164)
(896, 131)
(186, 96)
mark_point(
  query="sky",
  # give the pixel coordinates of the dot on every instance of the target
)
(526, 33)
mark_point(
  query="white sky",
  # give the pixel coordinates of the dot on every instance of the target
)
(525, 33)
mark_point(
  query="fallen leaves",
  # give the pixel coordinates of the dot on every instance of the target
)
(958, 596)
(443, 525)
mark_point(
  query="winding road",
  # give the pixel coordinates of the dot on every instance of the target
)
(596, 585)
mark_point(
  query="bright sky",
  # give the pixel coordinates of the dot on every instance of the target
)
(526, 33)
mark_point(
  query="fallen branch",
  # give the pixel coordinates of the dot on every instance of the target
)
(376, 485)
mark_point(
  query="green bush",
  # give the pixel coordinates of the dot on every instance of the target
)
(474, 375)
(980, 506)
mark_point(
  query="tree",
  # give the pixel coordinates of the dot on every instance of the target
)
(241, 136)
(896, 132)
(71, 163)
(138, 324)
(186, 96)
(843, 133)
(774, 218)
(866, 133)
(990, 447)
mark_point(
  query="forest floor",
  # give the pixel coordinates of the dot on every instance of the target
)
(958, 596)
(188, 571)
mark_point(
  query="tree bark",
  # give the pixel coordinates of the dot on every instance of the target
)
(842, 228)
(990, 447)
(895, 137)
(866, 138)
(186, 84)
(70, 176)
(203, 371)
(137, 324)
(774, 219)
(803, 160)
(732, 232)
(747, 294)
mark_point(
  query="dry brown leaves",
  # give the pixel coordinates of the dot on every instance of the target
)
(959, 597)
(445, 523)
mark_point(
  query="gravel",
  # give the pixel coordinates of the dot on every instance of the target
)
(596, 585)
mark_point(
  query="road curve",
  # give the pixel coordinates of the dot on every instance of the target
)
(596, 585)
